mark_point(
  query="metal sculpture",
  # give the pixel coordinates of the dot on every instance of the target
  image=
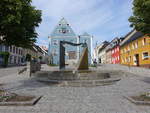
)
(62, 52)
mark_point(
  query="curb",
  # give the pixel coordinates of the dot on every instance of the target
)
(136, 102)
(27, 103)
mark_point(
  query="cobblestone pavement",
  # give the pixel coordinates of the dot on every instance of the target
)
(145, 72)
(101, 99)
(10, 70)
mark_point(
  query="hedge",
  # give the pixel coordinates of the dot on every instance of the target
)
(5, 56)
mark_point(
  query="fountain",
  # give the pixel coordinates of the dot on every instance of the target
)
(81, 76)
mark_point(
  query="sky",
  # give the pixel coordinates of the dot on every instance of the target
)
(103, 19)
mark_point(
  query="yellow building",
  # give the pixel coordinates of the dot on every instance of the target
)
(135, 49)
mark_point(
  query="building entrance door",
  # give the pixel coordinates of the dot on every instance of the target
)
(137, 59)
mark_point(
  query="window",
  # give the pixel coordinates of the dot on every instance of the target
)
(122, 60)
(128, 48)
(59, 31)
(126, 59)
(10, 59)
(1, 47)
(55, 42)
(85, 41)
(14, 49)
(6, 48)
(145, 56)
(136, 45)
(112, 51)
(15, 59)
(64, 30)
(144, 41)
(129, 59)
(67, 31)
(10, 48)
(132, 46)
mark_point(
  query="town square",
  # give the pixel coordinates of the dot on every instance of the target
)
(74, 56)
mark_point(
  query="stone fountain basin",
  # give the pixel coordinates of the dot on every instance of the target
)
(78, 78)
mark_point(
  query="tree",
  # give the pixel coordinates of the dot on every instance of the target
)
(40, 57)
(141, 16)
(28, 57)
(18, 20)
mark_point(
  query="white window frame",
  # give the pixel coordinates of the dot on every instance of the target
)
(133, 46)
(136, 45)
(144, 58)
(144, 42)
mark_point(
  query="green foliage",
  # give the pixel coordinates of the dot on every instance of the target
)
(141, 16)
(40, 57)
(28, 57)
(18, 20)
(5, 56)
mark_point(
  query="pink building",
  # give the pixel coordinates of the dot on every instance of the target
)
(115, 55)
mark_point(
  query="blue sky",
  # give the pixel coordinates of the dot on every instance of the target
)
(104, 19)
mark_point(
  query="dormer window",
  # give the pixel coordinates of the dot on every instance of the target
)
(59, 24)
(67, 24)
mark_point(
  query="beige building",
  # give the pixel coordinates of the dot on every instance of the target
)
(36, 52)
(100, 52)
(18, 54)
(108, 56)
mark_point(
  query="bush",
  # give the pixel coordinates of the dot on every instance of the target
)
(5, 56)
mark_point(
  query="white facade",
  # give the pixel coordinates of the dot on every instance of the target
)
(102, 56)
(16, 54)
(99, 53)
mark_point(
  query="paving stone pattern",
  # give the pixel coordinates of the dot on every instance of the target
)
(101, 99)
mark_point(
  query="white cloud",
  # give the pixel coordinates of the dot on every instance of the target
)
(43, 43)
(94, 16)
